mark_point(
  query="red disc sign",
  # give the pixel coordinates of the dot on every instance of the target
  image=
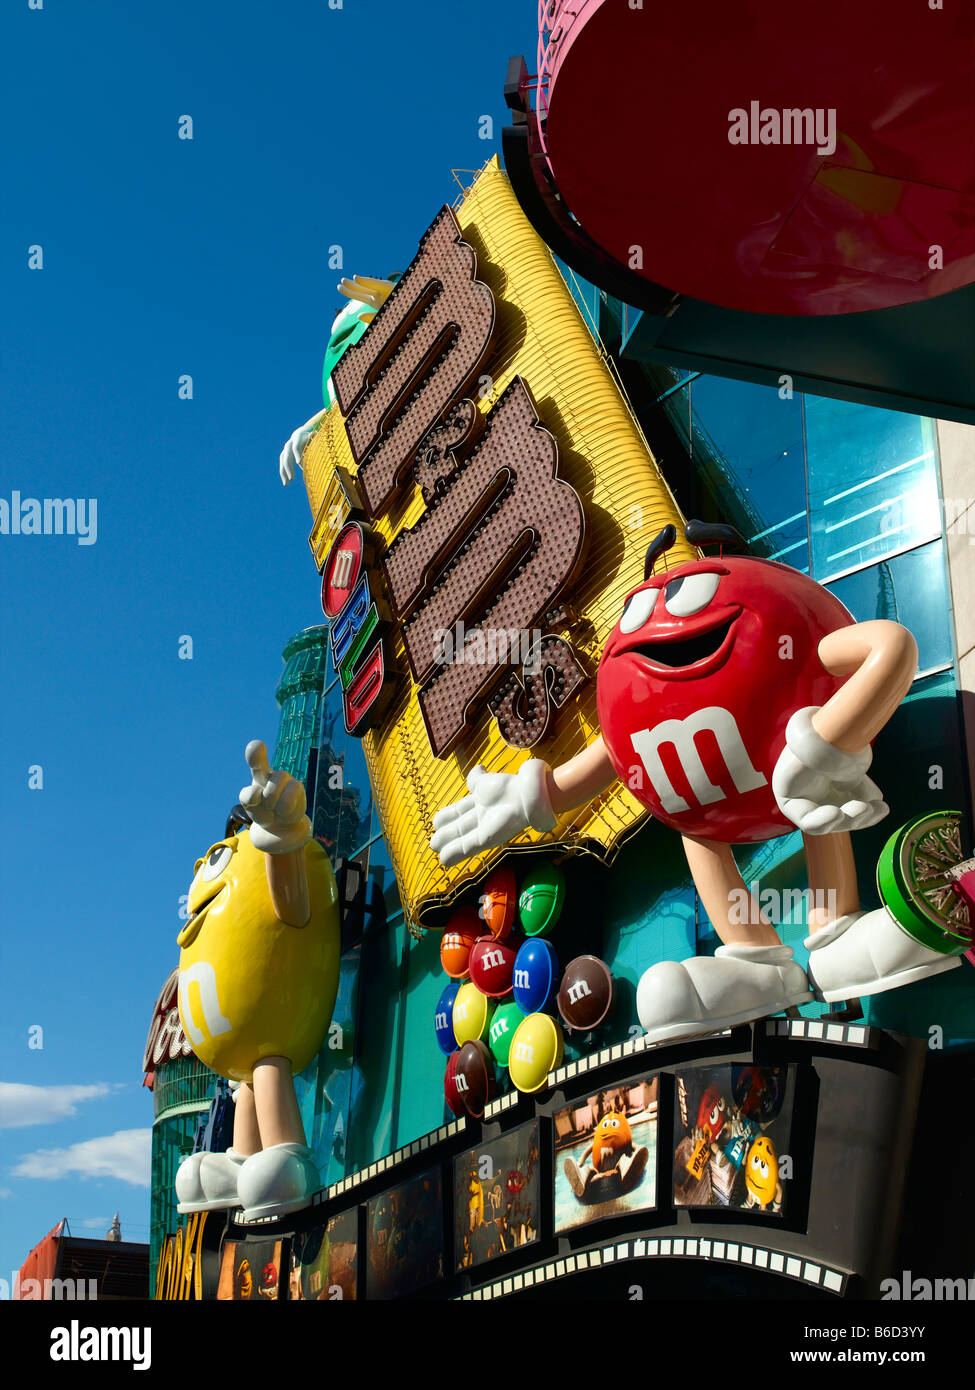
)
(342, 569)
(824, 164)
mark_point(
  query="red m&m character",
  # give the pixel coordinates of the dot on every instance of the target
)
(738, 700)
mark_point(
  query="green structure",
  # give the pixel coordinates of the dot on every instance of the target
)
(299, 694)
(181, 1096)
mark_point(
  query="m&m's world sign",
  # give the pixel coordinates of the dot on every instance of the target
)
(360, 624)
(481, 494)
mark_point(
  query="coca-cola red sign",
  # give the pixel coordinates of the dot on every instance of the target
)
(166, 1040)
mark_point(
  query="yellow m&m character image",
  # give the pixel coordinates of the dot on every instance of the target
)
(258, 976)
(762, 1176)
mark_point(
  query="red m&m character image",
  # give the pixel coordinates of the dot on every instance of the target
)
(712, 1115)
(738, 700)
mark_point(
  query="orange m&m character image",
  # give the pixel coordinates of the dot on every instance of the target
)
(612, 1138)
(615, 1166)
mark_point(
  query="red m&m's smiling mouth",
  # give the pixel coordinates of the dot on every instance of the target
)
(678, 625)
(689, 649)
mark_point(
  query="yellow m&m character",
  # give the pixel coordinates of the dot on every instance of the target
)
(258, 975)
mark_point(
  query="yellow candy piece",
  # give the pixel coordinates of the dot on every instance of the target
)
(536, 1049)
(472, 1014)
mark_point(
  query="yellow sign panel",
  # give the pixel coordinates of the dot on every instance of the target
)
(332, 513)
(179, 1274)
(537, 335)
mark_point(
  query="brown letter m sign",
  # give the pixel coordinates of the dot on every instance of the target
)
(503, 535)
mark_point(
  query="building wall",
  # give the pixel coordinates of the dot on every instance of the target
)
(956, 449)
(846, 493)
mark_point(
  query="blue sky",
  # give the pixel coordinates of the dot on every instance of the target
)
(312, 126)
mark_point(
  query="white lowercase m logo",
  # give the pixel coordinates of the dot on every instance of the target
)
(578, 991)
(342, 570)
(680, 733)
(524, 1052)
(202, 974)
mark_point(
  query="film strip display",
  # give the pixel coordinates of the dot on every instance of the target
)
(593, 1062)
(715, 1132)
(382, 1165)
(758, 1257)
(806, 1030)
(819, 1030)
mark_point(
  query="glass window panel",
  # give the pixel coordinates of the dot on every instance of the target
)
(377, 1074)
(663, 381)
(355, 811)
(747, 446)
(911, 589)
(873, 485)
(669, 377)
(647, 909)
(381, 869)
(677, 408)
(329, 786)
(326, 1087)
(296, 732)
(775, 872)
(343, 804)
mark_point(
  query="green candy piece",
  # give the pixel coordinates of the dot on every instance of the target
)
(506, 1020)
(541, 899)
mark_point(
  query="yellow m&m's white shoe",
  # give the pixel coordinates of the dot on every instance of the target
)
(277, 1180)
(208, 1182)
